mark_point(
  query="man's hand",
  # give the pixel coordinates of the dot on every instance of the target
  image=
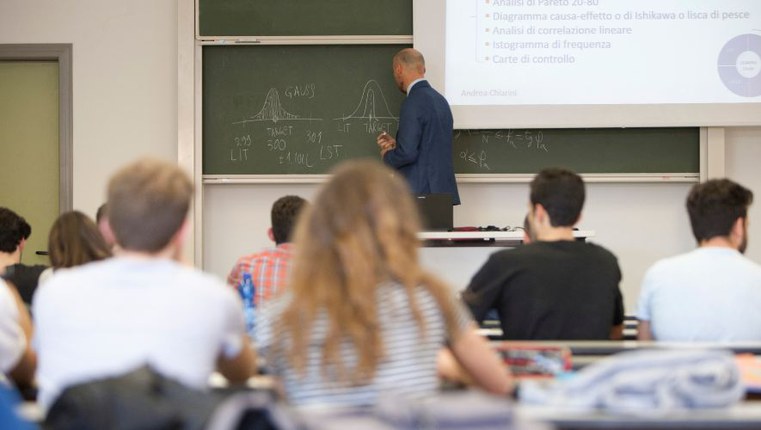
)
(385, 143)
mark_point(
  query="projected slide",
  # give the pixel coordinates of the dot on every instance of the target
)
(577, 52)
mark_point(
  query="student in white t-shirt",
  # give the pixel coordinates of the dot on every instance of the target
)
(140, 307)
(17, 359)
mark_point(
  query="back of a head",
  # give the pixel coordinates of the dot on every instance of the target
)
(410, 59)
(148, 201)
(13, 229)
(74, 240)
(285, 212)
(362, 222)
(715, 205)
(561, 193)
(101, 213)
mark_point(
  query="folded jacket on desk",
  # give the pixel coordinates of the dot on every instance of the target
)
(646, 381)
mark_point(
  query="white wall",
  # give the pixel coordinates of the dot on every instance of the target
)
(124, 78)
(743, 162)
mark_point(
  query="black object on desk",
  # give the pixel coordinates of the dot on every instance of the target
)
(436, 211)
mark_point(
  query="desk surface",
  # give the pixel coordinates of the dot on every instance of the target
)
(746, 415)
(513, 236)
(607, 347)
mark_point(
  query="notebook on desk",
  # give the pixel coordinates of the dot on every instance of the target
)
(435, 211)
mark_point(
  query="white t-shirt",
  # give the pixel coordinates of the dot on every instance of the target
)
(12, 339)
(709, 294)
(109, 317)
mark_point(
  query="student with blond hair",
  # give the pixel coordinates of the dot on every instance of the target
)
(141, 307)
(361, 318)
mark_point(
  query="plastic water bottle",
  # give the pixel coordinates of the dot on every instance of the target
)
(246, 290)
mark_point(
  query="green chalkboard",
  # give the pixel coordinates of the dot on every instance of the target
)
(295, 109)
(593, 150)
(279, 110)
(304, 17)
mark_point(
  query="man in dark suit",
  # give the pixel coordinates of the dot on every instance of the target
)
(422, 149)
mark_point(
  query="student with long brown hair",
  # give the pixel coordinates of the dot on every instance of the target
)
(75, 240)
(361, 318)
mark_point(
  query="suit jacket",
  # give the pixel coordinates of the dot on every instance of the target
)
(423, 152)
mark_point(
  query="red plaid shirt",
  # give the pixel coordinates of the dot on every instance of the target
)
(269, 269)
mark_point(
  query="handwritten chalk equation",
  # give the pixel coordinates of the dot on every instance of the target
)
(517, 139)
(241, 145)
(478, 158)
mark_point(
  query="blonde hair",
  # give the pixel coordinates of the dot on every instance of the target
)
(148, 201)
(360, 232)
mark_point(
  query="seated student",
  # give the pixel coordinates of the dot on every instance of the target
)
(74, 240)
(17, 360)
(140, 307)
(270, 269)
(555, 287)
(14, 231)
(712, 293)
(361, 318)
(101, 218)
(528, 237)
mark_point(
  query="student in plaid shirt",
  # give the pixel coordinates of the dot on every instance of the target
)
(270, 268)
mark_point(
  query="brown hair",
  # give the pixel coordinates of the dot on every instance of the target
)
(284, 213)
(74, 240)
(148, 202)
(715, 205)
(360, 231)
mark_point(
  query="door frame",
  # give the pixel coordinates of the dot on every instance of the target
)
(62, 53)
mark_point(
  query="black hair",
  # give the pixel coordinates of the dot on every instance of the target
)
(561, 193)
(13, 228)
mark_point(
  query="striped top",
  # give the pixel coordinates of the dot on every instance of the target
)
(409, 367)
(269, 269)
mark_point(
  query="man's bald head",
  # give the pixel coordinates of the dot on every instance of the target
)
(410, 59)
(408, 65)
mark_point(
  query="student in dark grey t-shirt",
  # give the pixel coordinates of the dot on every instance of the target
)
(556, 287)
(14, 231)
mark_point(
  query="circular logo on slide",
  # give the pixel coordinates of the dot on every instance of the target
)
(740, 65)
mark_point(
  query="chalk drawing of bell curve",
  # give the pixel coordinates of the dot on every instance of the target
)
(273, 111)
(372, 106)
